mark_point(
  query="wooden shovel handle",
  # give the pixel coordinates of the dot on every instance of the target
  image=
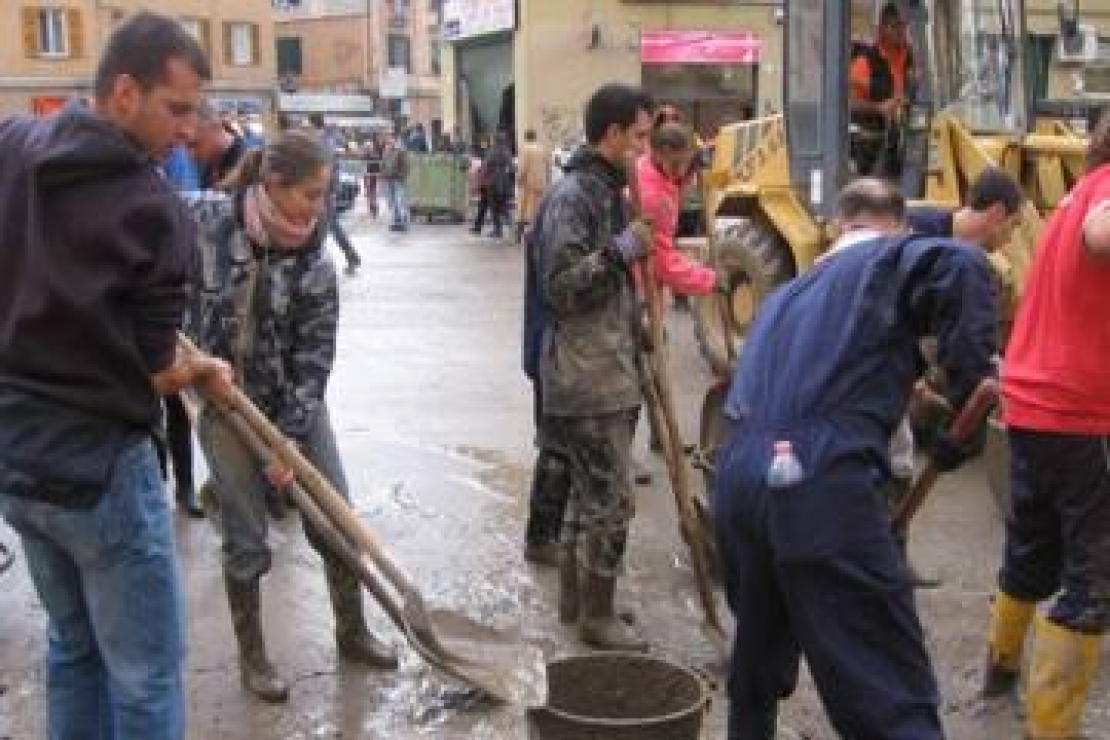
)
(962, 429)
(320, 488)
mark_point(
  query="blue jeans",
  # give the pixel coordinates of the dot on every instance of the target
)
(108, 579)
(396, 192)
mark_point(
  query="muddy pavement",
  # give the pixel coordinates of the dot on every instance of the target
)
(434, 421)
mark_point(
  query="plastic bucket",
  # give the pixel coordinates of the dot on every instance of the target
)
(619, 696)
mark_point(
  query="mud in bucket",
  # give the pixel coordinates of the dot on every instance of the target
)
(619, 696)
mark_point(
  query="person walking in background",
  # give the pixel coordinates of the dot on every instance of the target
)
(395, 175)
(269, 304)
(83, 363)
(333, 144)
(532, 178)
(372, 154)
(497, 186)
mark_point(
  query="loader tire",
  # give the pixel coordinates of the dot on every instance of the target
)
(757, 261)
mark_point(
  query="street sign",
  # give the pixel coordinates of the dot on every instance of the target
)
(463, 19)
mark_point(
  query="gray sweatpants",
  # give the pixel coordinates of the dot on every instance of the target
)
(240, 487)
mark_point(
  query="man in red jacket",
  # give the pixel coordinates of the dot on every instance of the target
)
(1056, 388)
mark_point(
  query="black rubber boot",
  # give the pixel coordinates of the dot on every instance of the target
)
(353, 640)
(257, 673)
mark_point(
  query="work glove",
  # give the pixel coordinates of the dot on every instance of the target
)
(634, 243)
(949, 454)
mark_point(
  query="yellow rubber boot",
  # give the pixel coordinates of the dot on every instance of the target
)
(1010, 620)
(1064, 666)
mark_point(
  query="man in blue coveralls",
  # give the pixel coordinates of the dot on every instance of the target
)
(812, 568)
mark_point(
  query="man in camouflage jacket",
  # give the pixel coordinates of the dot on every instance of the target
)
(588, 364)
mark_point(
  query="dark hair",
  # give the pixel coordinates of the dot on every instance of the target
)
(614, 105)
(141, 47)
(1098, 150)
(870, 196)
(292, 157)
(316, 120)
(890, 12)
(994, 186)
(674, 137)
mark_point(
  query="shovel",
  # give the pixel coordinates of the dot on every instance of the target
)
(970, 418)
(660, 403)
(507, 670)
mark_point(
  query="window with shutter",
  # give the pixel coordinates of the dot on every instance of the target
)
(76, 35)
(30, 32)
(240, 44)
(53, 36)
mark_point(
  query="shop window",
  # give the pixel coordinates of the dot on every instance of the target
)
(241, 44)
(399, 55)
(52, 32)
(289, 56)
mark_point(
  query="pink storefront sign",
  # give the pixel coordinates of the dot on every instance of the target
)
(699, 47)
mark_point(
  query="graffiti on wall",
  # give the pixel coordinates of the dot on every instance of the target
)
(560, 126)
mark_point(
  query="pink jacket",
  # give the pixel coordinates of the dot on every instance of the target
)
(660, 203)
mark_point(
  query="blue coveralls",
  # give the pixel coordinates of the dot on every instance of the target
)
(812, 569)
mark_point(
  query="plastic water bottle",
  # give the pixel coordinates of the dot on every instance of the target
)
(785, 470)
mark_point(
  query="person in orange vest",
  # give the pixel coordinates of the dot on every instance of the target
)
(880, 80)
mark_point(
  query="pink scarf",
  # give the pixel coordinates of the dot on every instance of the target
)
(267, 226)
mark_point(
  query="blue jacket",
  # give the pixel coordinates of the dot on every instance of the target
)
(840, 343)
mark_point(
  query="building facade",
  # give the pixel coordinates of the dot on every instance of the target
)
(387, 50)
(49, 50)
(717, 60)
(518, 64)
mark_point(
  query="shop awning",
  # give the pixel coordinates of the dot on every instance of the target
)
(699, 47)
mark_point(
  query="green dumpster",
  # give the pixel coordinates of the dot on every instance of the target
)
(437, 186)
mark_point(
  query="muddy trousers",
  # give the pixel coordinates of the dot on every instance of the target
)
(598, 453)
(1058, 533)
(847, 606)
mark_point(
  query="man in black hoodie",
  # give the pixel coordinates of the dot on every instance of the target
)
(95, 268)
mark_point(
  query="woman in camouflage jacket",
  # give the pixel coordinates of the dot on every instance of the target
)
(268, 303)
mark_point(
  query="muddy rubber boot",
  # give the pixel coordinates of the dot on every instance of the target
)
(1010, 620)
(568, 585)
(353, 640)
(548, 554)
(258, 674)
(1064, 666)
(599, 625)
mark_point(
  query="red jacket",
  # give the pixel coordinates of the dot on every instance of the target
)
(660, 203)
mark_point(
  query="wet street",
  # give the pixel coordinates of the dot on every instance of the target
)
(433, 418)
